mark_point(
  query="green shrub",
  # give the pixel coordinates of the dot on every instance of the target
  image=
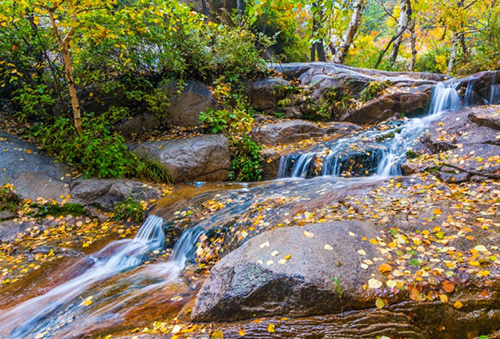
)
(374, 89)
(9, 200)
(129, 209)
(246, 158)
(56, 210)
(96, 151)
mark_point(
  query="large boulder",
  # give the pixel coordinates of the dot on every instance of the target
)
(263, 93)
(258, 280)
(32, 173)
(407, 100)
(138, 124)
(201, 158)
(478, 87)
(104, 193)
(286, 132)
(185, 108)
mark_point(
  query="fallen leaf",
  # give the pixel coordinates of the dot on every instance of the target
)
(328, 247)
(176, 329)
(308, 234)
(437, 211)
(218, 335)
(379, 303)
(270, 328)
(242, 332)
(391, 283)
(274, 253)
(448, 286)
(87, 301)
(374, 283)
(443, 298)
(458, 305)
(362, 252)
(385, 268)
(266, 244)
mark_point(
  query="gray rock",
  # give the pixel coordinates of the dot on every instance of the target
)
(138, 124)
(262, 93)
(32, 173)
(185, 109)
(250, 282)
(201, 158)
(104, 193)
(9, 229)
(407, 100)
(286, 132)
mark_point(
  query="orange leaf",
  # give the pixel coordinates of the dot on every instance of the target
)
(384, 268)
(448, 286)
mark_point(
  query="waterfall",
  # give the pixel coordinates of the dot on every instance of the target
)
(494, 91)
(383, 150)
(34, 315)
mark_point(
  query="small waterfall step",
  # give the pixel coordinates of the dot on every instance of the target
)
(379, 151)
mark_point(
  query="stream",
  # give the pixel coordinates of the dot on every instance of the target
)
(118, 284)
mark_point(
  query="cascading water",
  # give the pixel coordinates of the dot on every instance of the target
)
(37, 316)
(494, 91)
(379, 151)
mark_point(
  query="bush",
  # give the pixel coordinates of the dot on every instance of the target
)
(246, 158)
(129, 209)
(96, 151)
(9, 200)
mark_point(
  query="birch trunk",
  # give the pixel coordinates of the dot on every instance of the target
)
(402, 25)
(453, 53)
(350, 33)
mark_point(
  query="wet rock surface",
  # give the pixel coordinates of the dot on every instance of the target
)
(262, 93)
(201, 158)
(286, 132)
(252, 281)
(469, 141)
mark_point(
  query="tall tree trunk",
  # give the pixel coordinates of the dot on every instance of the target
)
(317, 48)
(350, 33)
(453, 53)
(410, 21)
(402, 25)
(66, 53)
(240, 8)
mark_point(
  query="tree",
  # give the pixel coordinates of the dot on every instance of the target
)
(349, 34)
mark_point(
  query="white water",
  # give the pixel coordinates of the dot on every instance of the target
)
(33, 316)
(387, 154)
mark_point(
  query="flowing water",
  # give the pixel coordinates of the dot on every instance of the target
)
(117, 277)
(379, 151)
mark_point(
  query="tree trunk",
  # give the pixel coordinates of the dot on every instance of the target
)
(66, 53)
(350, 33)
(240, 8)
(453, 53)
(317, 47)
(402, 25)
(410, 21)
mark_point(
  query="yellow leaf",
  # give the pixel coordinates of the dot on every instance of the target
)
(443, 298)
(87, 301)
(270, 328)
(437, 211)
(379, 303)
(308, 234)
(374, 283)
(328, 247)
(242, 332)
(361, 252)
(458, 305)
(218, 335)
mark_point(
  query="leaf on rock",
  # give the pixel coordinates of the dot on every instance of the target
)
(374, 283)
(448, 286)
(458, 305)
(379, 303)
(385, 268)
(270, 328)
(328, 247)
(308, 234)
(266, 244)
